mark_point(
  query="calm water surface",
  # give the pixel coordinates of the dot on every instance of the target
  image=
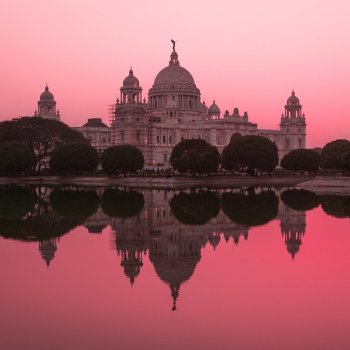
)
(120, 269)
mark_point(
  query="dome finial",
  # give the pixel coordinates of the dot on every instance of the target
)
(174, 294)
(173, 42)
(174, 57)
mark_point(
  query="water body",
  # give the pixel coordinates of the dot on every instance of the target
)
(259, 268)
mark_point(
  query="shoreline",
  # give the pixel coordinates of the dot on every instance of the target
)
(339, 185)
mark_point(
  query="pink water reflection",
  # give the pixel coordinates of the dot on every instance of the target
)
(246, 296)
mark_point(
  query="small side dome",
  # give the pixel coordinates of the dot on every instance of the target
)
(214, 108)
(46, 95)
(293, 100)
(131, 81)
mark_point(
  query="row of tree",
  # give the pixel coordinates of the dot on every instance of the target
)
(257, 153)
(32, 143)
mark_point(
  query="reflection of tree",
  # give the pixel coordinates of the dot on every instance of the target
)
(250, 209)
(122, 204)
(74, 204)
(301, 200)
(15, 202)
(337, 206)
(35, 219)
(195, 208)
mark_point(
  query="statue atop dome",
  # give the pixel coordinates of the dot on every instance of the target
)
(173, 42)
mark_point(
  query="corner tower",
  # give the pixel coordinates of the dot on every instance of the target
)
(293, 127)
(47, 106)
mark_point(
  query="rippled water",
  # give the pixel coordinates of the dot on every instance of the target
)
(149, 269)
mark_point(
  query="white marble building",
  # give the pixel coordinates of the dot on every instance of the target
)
(174, 112)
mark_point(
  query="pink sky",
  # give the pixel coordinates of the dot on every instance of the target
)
(251, 53)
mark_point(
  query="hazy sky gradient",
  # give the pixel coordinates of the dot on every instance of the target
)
(249, 54)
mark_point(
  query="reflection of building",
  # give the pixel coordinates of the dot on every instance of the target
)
(47, 106)
(48, 249)
(175, 112)
(293, 224)
(130, 239)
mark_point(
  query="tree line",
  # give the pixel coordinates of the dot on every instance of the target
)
(30, 145)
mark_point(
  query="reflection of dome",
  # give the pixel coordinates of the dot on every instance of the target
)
(131, 80)
(174, 271)
(46, 95)
(214, 108)
(48, 249)
(132, 271)
(293, 247)
(214, 239)
(293, 100)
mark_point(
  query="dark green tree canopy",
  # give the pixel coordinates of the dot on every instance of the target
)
(337, 206)
(40, 135)
(122, 204)
(332, 154)
(250, 209)
(195, 208)
(16, 202)
(15, 158)
(195, 156)
(346, 160)
(252, 152)
(235, 136)
(301, 200)
(122, 159)
(73, 158)
(75, 204)
(301, 160)
(29, 216)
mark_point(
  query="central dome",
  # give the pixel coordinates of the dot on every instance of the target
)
(174, 74)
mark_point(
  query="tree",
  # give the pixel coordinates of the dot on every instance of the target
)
(73, 158)
(121, 159)
(195, 156)
(40, 135)
(195, 208)
(332, 154)
(235, 136)
(15, 158)
(301, 160)
(346, 160)
(252, 152)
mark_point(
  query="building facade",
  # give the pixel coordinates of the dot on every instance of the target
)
(174, 112)
(97, 133)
